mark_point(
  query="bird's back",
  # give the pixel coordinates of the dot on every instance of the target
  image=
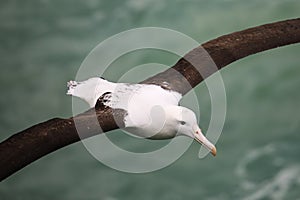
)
(144, 103)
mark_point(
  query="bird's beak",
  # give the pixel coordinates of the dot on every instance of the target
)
(199, 137)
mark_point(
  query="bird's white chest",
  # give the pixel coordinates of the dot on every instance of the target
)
(153, 131)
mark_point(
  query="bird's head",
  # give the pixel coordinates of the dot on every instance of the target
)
(187, 125)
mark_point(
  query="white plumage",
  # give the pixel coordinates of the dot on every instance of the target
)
(152, 112)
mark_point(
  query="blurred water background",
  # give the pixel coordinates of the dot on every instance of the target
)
(42, 44)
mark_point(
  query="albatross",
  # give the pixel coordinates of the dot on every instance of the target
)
(153, 111)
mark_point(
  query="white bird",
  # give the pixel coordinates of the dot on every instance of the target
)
(152, 111)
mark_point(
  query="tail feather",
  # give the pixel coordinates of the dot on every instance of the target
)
(89, 90)
(71, 87)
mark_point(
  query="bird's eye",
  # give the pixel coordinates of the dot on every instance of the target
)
(182, 122)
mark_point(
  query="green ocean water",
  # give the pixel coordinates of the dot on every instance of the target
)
(42, 44)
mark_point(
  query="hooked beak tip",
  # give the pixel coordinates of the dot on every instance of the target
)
(214, 151)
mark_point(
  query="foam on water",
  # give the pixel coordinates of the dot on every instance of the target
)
(277, 188)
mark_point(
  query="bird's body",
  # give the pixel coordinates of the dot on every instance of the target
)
(152, 112)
